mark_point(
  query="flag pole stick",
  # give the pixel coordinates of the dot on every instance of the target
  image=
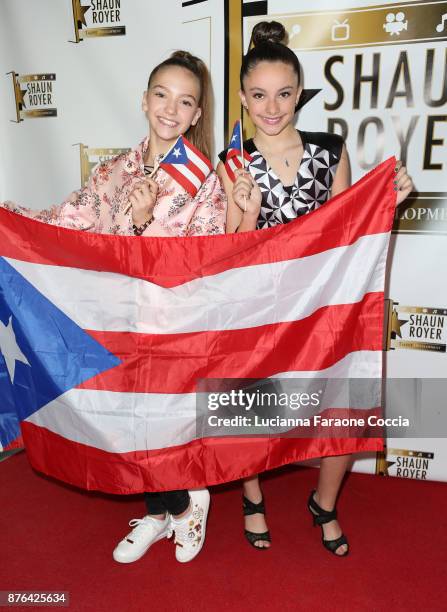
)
(157, 165)
(157, 162)
(241, 138)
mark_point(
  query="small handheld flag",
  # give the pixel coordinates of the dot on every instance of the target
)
(234, 152)
(187, 165)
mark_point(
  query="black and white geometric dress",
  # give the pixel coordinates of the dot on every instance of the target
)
(313, 182)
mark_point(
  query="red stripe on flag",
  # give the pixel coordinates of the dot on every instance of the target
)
(173, 363)
(234, 156)
(235, 153)
(200, 463)
(196, 171)
(229, 169)
(180, 178)
(230, 172)
(17, 443)
(172, 262)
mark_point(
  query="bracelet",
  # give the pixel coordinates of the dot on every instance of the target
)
(138, 230)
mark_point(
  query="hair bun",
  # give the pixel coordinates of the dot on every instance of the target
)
(189, 61)
(183, 55)
(268, 32)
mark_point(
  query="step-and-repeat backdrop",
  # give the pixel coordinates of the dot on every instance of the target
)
(73, 74)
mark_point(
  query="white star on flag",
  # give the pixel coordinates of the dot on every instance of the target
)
(177, 152)
(10, 349)
(234, 138)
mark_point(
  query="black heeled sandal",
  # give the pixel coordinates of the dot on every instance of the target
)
(251, 508)
(321, 517)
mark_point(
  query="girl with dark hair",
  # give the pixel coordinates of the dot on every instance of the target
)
(291, 173)
(121, 198)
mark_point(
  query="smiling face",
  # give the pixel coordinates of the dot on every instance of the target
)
(271, 92)
(171, 103)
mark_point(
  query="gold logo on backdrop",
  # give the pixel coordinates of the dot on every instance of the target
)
(91, 157)
(373, 25)
(404, 463)
(422, 213)
(34, 95)
(416, 327)
(97, 18)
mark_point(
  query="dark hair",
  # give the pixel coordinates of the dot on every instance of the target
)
(268, 46)
(200, 134)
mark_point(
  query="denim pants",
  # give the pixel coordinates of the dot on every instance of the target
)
(174, 502)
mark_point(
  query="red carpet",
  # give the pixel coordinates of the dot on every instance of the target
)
(55, 537)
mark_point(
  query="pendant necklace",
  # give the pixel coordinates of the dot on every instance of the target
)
(286, 161)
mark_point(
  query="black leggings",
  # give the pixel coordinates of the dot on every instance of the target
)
(174, 502)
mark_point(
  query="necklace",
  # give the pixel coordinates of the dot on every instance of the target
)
(278, 155)
(155, 159)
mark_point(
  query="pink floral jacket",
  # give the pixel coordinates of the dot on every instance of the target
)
(100, 206)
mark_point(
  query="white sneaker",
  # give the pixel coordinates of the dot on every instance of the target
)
(145, 532)
(190, 529)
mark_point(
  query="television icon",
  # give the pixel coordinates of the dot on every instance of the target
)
(340, 31)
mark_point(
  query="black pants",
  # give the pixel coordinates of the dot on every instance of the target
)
(174, 502)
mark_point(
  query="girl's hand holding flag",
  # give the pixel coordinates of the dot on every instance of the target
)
(187, 166)
(237, 180)
(142, 199)
(246, 193)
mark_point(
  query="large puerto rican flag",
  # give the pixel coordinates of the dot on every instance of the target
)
(103, 338)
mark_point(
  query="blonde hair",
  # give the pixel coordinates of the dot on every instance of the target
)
(200, 134)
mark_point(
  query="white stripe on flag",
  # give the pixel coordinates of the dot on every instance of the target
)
(234, 163)
(126, 422)
(186, 172)
(235, 299)
(198, 161)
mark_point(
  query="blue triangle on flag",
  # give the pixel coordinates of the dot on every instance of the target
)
(43, 353)
(177, 155)
(235, 140)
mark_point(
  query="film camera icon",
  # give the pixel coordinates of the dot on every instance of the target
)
(395, 23)
(340, 31)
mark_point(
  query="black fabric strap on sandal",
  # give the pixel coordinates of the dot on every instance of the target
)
(332, 545)
(253, 537)
(322, 516)
(249, 508)
(252, 508)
